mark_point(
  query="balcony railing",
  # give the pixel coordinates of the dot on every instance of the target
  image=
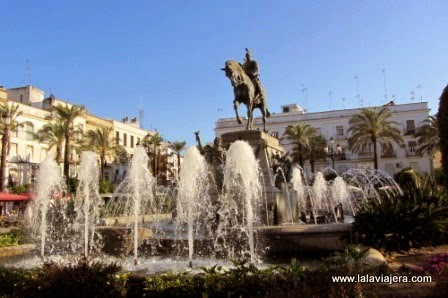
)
(388, 154)
(365, 154)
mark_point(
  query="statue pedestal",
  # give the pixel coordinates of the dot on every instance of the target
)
(265, 147)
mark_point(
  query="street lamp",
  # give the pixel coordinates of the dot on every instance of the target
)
(332, 152)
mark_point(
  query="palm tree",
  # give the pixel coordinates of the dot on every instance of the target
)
(8, 123)
(443, 131)
(370, 127)
(53, 134)
(178, 147)
(67, 115)
(314, 150)
(428, 136)
(299, 135)
(152, 144)
(104, 144)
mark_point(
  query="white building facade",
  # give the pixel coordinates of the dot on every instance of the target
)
(333, 125)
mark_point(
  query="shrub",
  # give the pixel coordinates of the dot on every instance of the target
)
(417, 217)
(79, 280)
(10, 239)
(18, 189)
(106, 187)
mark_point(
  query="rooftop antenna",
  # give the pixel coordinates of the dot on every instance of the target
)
(330, 93)
(385, 90)
(394, 97)
(28, 72)
(343, 102)
(141, 115)
(356, 78)
(421, 92)
(219, 112)
(412, 96)
(305, 96)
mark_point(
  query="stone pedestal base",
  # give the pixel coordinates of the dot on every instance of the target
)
(265, 147)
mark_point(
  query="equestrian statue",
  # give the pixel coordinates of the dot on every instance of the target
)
(247, 88)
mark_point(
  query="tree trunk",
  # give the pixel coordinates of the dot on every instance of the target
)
(58, 153)
(299, 147)
(102, 164)
(67, 158)
(312, 165)
(375, 155)
(5, 140)
(178, 164)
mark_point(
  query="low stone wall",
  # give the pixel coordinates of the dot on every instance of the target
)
(16, 250)
(124, 220)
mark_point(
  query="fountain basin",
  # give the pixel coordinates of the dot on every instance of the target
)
(297, 239)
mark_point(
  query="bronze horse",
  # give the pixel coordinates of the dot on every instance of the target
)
(245, 92)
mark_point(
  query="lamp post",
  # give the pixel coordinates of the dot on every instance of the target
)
(5, 139)
(332, 152)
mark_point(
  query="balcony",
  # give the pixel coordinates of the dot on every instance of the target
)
(365, 154)
(388, 154)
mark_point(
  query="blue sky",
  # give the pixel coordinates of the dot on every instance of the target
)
(113, 56)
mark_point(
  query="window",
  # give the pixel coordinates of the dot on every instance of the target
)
(30, 153)
(125, 139)
(340, 130)
(29, 129)
(117, 137)
(132, 141)
(412, 145)
(13, 150)
(285, 109)
(410, 127)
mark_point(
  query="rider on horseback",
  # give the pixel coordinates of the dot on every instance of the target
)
(250, 67)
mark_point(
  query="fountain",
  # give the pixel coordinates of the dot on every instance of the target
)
(242, 190)
(224, 216)
(193, 200)
(49, 185)
(134, 196)
(87, 197)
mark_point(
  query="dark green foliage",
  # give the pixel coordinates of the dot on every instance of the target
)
(79, 280)
(443, 130)
(18, 189)
(407, 178)
(72, 184)
(249, 281)
(12, 238)
(106, 187)
(418, 217)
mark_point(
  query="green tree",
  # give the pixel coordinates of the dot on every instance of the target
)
(372, 127)
(428, 136)
(53, 134)
(152, 144)
(8, 123)
(67, 115)
(178, 147)
(299, 135)
(443, 131)
(102, 142)
(314, 150)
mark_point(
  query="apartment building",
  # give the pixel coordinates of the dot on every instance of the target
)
(26, 153)
(333, 126)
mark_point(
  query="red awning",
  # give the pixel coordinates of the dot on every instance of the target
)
(10, 197)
